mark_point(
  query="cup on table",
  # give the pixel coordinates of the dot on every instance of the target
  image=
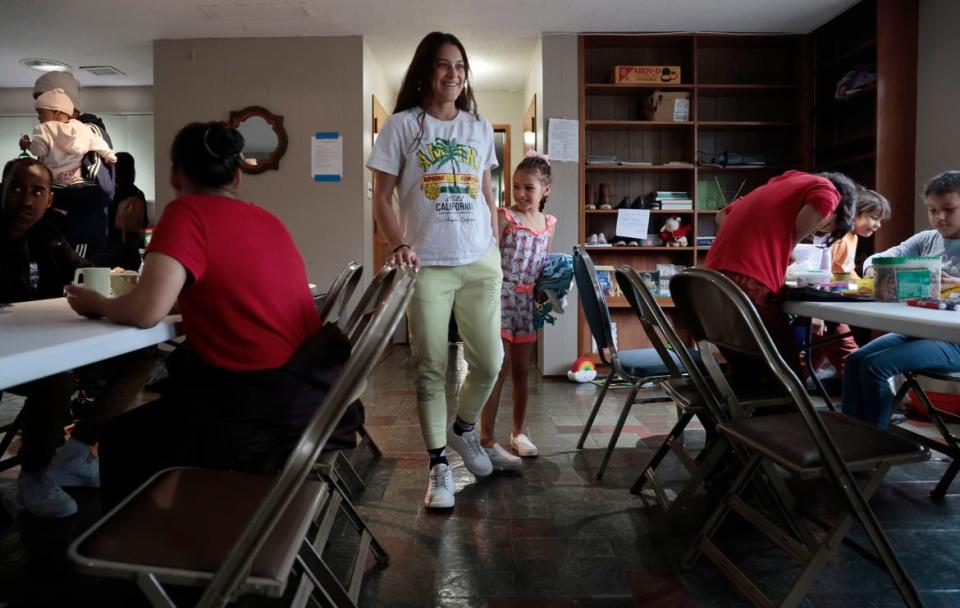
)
(122, 283)
(97, 279)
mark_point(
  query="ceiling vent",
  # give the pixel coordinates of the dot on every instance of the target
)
(254, 11)
(102, 70)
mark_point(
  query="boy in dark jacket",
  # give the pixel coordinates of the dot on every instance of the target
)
(35, 263)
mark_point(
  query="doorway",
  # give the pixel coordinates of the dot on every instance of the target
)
(500, 177)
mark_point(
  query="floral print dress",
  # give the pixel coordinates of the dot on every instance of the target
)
(523, 252)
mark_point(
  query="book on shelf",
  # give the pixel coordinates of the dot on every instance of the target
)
(613, 334)
(666, 272)
(662, 195)
(636, 163)
(651, 278)
(705, 241)
(602, 159)
(608, 281)
(677, 204)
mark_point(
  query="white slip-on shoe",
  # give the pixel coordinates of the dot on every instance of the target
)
(74, 465)
(502, 459)
(474, 456)
(440, 488)
(522, 444)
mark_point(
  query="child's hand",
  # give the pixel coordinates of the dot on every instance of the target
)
(818, 327)
(111, 161)
(947, 280)
(24, 142)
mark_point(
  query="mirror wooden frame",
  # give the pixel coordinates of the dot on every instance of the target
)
(276, 123)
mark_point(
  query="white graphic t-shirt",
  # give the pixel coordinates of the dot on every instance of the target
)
(443, 213)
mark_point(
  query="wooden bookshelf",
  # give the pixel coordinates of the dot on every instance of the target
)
(745, 97)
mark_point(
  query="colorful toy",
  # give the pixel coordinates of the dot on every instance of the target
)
(582, 370)
(673, 233)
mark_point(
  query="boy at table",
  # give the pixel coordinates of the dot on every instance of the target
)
(866, 378)
(35, 263)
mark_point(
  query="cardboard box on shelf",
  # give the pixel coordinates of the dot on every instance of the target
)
(646, 74)
(667, 106)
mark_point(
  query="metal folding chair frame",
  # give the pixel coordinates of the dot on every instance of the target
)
(592, 295)
(812, 553)
(656, 324)
(334, 306)
(232, 578)
(951, 441)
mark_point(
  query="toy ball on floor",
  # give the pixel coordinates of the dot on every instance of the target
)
(582, 370)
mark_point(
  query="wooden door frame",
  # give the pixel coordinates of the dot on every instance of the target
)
(507, 166)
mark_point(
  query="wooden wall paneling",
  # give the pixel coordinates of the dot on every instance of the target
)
(896, 115)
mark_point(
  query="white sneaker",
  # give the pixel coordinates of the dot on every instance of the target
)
(592, 239)
(502, 459)
(440, 489)
(41, 496)
(473, 454)
(75, 465)
(522, 444)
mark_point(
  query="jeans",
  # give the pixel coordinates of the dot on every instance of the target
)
(867, 394)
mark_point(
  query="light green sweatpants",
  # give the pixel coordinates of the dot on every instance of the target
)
(472, 292)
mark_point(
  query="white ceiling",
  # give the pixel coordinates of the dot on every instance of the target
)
(499, 34)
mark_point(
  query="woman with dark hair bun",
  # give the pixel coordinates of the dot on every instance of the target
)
(241, 395)
(436, 153)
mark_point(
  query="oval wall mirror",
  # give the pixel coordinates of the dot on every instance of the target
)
(265, 139)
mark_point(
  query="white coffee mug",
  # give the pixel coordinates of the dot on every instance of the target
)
(122, 283)
(97, 279)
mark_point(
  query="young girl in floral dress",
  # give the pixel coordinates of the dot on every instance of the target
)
(525, 237)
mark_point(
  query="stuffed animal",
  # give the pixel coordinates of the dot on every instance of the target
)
(673, 233)
(582, 370)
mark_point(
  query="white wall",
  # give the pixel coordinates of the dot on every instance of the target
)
(316, 84)
(938, 89)
(504, 107)
(96, 100)
(560, 98)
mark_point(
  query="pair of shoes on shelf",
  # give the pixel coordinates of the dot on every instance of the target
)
(440, 489)
(625, 203)
(626, 243)
(596, 240)
(523, 446)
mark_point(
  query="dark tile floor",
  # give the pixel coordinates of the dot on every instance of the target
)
(548, 536)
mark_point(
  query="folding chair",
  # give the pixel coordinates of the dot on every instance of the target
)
(805, 443)
(235, 533)
(688, 389)
(334, 306)
(332, 464)
(9, 432)
(637, 366)
(942, 420)
(694, 395)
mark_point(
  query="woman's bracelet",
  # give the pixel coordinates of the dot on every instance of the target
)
(399, 247)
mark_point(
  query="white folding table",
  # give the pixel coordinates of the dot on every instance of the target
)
(45, 337)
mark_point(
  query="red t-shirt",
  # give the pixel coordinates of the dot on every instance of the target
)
(249, 305)
(758, 232)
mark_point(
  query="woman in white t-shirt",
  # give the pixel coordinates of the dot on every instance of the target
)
(437, 153)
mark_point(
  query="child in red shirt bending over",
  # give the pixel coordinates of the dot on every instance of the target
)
(757, 233)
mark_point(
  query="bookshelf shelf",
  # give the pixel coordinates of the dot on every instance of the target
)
(640, 168)
(635, 124)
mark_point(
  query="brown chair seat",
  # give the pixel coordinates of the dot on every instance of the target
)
(683, 391)
(221, 503)
(787, 440)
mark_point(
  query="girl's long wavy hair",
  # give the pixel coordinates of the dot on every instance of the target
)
(415, 90)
